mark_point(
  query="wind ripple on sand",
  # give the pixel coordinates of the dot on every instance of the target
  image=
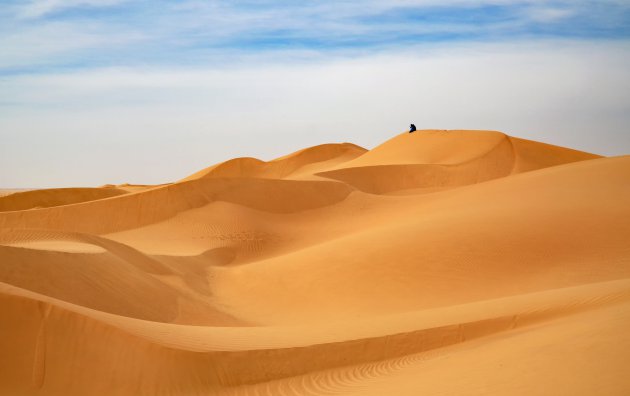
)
(440, 262)
(319, 355)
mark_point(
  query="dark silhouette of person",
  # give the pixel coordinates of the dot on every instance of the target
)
(412, 128)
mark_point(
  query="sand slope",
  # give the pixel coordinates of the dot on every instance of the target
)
(54, 197)
(441, 262)
(303, 162)
(443, 159)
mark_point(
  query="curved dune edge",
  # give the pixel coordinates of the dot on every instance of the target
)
(524, 361)
(142, 208)
(8, 191)
(454, 147)
(460, 245)
(109, 276)
(325, 154)
(264, 234)
(436, 147)
(415, 232)
(450, 262)
(46, 198)
(407, 161)
(286, 196)
(276, 355)
(506, 312)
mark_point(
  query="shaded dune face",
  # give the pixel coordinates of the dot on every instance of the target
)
(138, 209)
(290, 165)
(444, 159)
(440, 262)
(54, 197)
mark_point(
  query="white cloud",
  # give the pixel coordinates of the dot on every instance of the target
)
(38, 8)
(156, 125)
(43, 44)
(549, 14)
(202, 32)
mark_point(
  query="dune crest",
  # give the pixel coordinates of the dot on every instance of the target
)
(440, 262)
(433, 159)
(324, 155)
(35, 199)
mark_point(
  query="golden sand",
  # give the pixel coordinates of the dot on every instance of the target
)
(438, 263)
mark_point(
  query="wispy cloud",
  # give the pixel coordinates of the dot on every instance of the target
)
(549, 14)
(104, 33)
(58, 43)
(218, 79)
(39, 8)
(575, 94)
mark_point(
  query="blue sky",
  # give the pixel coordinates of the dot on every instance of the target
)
(212, 80)
(43, 35)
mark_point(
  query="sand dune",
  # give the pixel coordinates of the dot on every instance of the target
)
(312, 158)
(430, 159)
(54, 197)
(440, 262)
(137, 209)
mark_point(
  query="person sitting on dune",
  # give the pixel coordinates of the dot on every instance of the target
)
(412, 128)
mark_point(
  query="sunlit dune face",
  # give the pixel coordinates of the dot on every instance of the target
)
(439, 262)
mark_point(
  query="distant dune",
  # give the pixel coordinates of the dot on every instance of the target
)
(440, 262)
(33, 199)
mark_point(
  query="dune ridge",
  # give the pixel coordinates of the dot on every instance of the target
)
(440, 262)
(282, 167)
(35, 199)
(137, 209)
(448, 159)
(237, 364)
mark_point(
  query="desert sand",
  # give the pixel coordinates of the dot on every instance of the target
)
(438, 263)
